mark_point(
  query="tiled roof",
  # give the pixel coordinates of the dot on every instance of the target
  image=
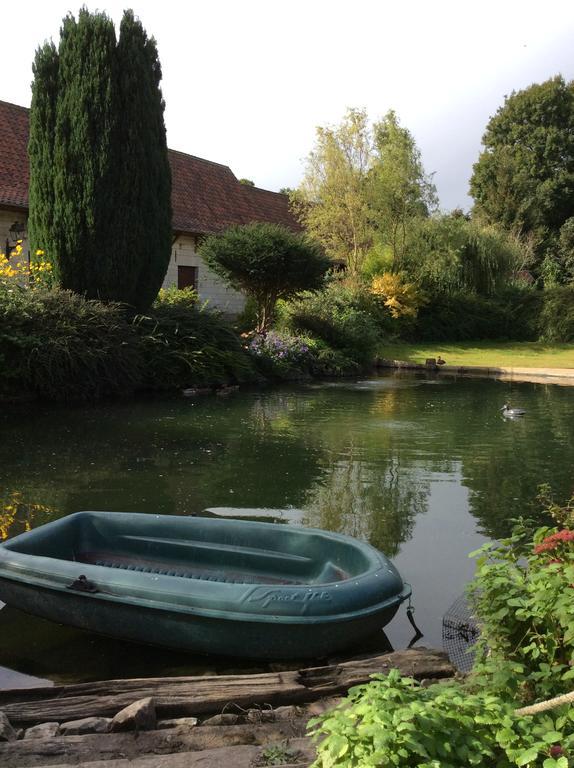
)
(14, 175)
(206, 196)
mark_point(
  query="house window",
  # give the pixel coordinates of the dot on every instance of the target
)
(187, 277)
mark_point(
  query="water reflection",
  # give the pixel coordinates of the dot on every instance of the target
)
(401, 461)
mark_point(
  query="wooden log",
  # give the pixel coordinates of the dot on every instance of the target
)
(114, 746)
(191, 696)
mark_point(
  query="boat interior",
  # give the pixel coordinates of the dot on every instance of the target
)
(198, 548)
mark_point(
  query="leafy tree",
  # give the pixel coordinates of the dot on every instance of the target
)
(363, 187)
(524, 178)
(401, 190)
(449, 254)
(100, 183)
(267, 262)
(247, 182)
(332, 201)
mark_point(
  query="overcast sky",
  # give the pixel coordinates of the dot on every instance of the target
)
(246, 82)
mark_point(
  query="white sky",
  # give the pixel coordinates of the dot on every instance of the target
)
(247, 81)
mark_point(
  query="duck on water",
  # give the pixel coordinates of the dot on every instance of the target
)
(509, 412)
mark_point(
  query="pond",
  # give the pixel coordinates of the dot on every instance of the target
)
(422, 466)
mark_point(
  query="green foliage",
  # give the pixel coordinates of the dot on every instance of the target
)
(363, 189)
(186, 345)
(100, 180)
(522, 596)
(332, 202)
(284, 356)
(343, 315)
(449, 254)
(523, 178)
(459, 317)
(267, 262)
(556, 322)
(142, 177)
(278, 754)
(59, 346)
(401, 193)
(393, 721)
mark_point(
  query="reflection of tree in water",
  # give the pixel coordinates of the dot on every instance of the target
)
(522, 454)
(18, 514)
(371, 503)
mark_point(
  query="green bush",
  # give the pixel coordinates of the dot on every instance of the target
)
(280, 355)
(459, 317)
(556, 322)
(342, 315)
(185, 345)
(522, 598)
(59, 346)
(393, 721)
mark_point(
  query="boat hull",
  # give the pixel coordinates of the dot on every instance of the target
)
(256, 620)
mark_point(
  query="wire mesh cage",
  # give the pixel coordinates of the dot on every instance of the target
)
(460, 632)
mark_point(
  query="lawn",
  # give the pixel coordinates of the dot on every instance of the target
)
(486, 353)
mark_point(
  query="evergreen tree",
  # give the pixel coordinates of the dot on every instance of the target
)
(143, 220)
(100, 180)
(41, 149)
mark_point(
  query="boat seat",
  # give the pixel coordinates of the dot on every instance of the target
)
(179, 571)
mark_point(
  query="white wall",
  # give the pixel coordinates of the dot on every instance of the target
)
(209, 286)
(7, 218)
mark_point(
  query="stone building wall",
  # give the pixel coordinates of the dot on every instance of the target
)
(209, 286)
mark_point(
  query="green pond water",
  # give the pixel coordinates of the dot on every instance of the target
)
(422, 466)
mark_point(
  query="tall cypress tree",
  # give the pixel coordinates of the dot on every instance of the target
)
(100, 180)
(143, 224)
(41, 150)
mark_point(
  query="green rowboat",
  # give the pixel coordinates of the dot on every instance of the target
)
(222, 586)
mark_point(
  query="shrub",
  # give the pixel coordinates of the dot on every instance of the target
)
(342, 315)
(282, 355)
(522, 597)
(556, 322)
(58, 345)
(460, 317)
(393, 721)
(267, 262)
(183, 344)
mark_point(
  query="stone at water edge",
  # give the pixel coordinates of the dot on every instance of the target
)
(42, 731)
(177, 722)
(86, 725)
(227, 718)
(7, 733)
(139, 716)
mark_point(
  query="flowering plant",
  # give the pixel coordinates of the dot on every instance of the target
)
(281, 353)
(16, 270)
(523, 595)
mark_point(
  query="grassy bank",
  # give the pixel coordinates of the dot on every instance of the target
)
(510, 354)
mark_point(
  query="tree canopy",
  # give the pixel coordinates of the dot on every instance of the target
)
(363, 187)
(99, 175)
(267, 262)
(524, 177)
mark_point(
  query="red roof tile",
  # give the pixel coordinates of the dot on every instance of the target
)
(206, 196)
(14, 174)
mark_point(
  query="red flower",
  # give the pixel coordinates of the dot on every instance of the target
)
(553, 541)
(556, 751)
